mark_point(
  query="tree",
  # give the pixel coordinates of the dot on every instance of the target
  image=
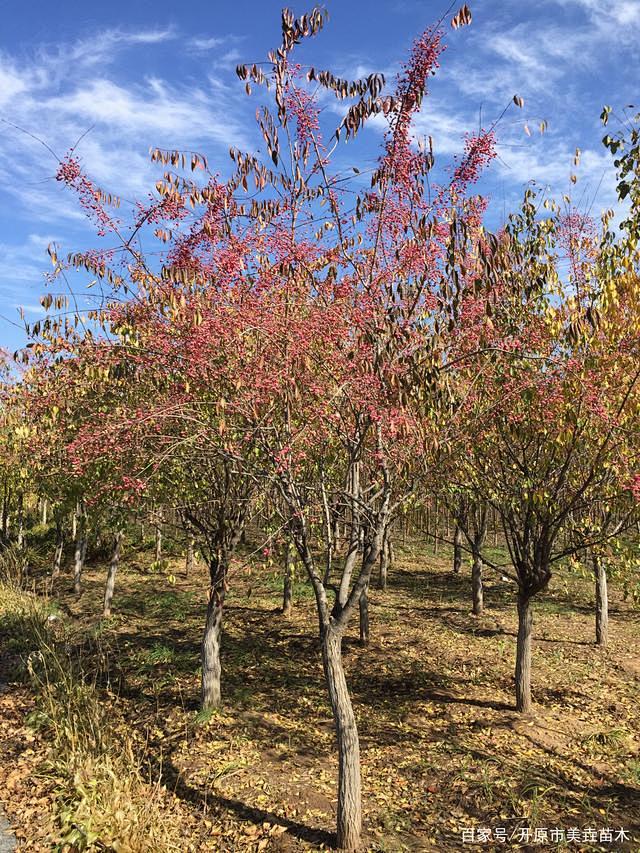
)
(558, 443)
(293, 340)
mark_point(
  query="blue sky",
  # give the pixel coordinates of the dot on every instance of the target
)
(161, 73)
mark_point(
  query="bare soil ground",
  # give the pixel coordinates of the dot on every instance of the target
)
(443, 750)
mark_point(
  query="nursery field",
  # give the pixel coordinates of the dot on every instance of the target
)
(320, 451)
(106, 736)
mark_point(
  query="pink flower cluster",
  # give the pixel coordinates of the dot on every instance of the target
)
(479, 150)
(71, 174)
(301, 105)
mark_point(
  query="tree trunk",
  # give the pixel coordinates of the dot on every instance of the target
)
(349, 809)
(523, 655)
(435, 530)
(335, 532)
(158, 542)
(20, 519)
(384, 563)
(363, 606)
(44, 506)
(287, 594)
(602, 602)
(457, 549)
(6, 502)
(57, 560)
(111, 575)
(476, 584)
(211, 641)
(188, 567)
(80, 554)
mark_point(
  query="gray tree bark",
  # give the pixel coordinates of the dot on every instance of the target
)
(457, 549)
(363, 607)
(80, 554)
(349, 811)
(57, 559)
(188, 567)
(436, 538)
(385, 559)
(6, 507)
(476, 583)
(80, 550)
(212, 639)
(158, 555)
(287, 592)
(523, 654)
(20, 520)
(111, 574)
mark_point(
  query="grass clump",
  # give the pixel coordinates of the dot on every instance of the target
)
(14, 560)
(105, 799)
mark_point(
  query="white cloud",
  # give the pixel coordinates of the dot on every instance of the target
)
(524, 60)
(30, 309)
(604, 13)
(22, 270)
(446, 128)
(24, 262)
(61, 94)
(105, 45)
(11, 83)
(232, 56)
(205, 44)
(61, 91)
(153, 110)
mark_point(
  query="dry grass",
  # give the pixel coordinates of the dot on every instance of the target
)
(101, 795)
(442, 747)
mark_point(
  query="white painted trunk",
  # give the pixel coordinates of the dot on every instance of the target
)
(602, 602)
